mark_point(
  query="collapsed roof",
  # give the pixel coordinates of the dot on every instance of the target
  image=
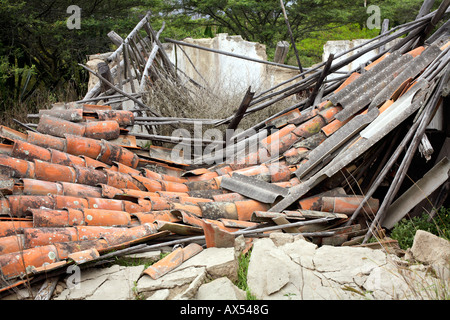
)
(77, 189)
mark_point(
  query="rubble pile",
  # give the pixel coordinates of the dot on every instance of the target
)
(77, 189)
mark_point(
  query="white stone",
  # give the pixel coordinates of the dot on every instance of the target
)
(114, 283)
(433, 250)
(162, 294)
(344, 264)
(301, 252)
(218, 262)
(220, 289)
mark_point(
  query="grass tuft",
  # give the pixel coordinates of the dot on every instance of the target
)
(241, 283)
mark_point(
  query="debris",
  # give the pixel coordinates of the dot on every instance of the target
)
(77, 189)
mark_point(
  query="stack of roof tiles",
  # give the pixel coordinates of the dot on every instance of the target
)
(73, 189)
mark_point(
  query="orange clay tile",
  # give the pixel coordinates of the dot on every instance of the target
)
(122, 117)
(12, 134)
(194, 209)
(151, 174)
(40, 187)
(245, 208)
(132, 207)
(193, 200)
(147, 205)
(66, 159)
(219, 224)
(310, 127)
(27, 151)
(36, 237)
(46, 141)
(171, 195)
(333, 126)
(173, 260)
(189, 218)
(166, 264)
(329, 113)
(217, 210)
(173, 186)
(279, 173)
(229, 197)
(95, 107)
(224, 170)
(284, 118)
(416, 52)
(251, 159)
(54, 172)
(96, 232)
(59, 127)
(150, 184)
(120, 180)
(276, 136)
(66, 249)
(295, 152)
(74, 115)
(122, 168)
(84, 256)
(263, 155)
(127, 235)
(100, 217)
(150, 217)
(14, 264)
(90, 177)
(128, 158)
(80, 190)
(62, 202)
(353, 77)
(19, 168)
(57, 218)
(276, 148)
(92, 163)
(202, 177)
(157, 204)
(294, 181)
(217, 237)
(105, 204)
(238, 224)
(107, 130)
(114, 235)
(9, 228)
(252, 171)
(19, 204)
(78, 146)
(349, 204)
(6, 149)
(12, 243)
(311, 203)
(111, 192)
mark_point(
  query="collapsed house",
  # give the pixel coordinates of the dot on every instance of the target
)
(77, 188)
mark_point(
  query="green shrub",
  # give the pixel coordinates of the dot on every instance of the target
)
(405, 230)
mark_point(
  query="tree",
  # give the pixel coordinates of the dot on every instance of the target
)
(263, 20)
(38, 50)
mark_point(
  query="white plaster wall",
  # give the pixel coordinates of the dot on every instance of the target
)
(227, 73)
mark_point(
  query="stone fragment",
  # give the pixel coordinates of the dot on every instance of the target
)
(432, 250)
(220, 289)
